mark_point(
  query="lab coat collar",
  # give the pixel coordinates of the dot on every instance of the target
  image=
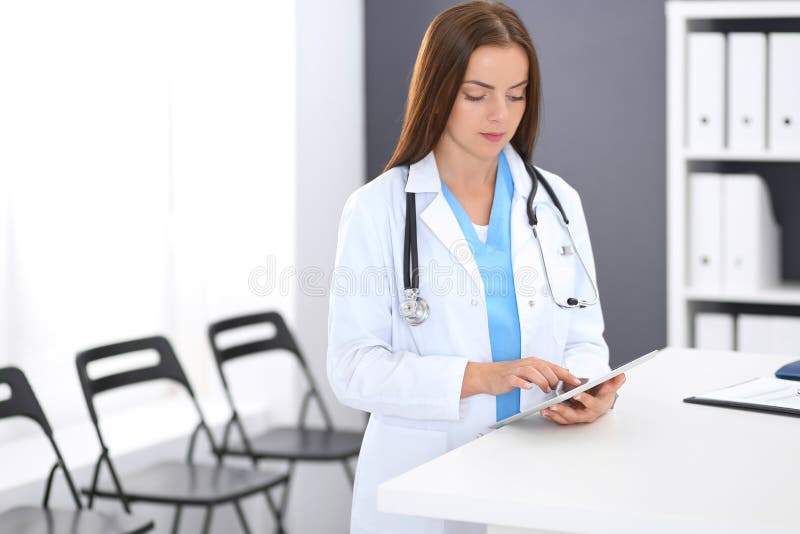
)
(423, 176)
(522, 180)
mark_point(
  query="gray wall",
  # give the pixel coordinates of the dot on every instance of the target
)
(603, 76)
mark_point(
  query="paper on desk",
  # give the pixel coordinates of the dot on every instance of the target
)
(766, 391)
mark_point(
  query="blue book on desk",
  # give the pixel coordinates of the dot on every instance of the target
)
(779, 395)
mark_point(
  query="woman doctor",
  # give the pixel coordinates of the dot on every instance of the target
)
(500, 333)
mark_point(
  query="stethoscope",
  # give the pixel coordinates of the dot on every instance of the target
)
(416, 310)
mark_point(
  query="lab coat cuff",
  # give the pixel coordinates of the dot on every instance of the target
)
(455, 385)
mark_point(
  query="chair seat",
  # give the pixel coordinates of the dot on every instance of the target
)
(301, 444)
(182, 483)
(37, 520)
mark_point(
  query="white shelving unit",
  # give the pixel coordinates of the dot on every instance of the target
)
(681, 299)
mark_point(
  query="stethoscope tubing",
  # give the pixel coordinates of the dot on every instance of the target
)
(416, 310)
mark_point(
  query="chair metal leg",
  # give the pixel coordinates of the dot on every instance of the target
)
(176, 520)
(207, 520)
(349, 471)
(95, 478)
(242, 519)
(276, 513)
(286, 487)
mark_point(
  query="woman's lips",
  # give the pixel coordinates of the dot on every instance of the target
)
(492, 137)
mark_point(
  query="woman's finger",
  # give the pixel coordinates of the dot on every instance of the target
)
(548, 373)
(531, 374)
(565, 375)
(517, 382)
(574, 415)
(590, 402)
(610, 387)
(606, 392)
(555, 417)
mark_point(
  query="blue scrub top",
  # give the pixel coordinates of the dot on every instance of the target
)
(494, 262)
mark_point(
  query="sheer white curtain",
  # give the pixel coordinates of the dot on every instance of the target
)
(148, 168)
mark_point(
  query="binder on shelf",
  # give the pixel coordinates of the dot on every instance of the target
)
(769, 334)
(784, 88)
(714, 331)
(751, 237)
(706, 91)
(705, 231)
(747, 91)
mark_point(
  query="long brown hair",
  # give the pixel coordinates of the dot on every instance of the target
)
(440, 69)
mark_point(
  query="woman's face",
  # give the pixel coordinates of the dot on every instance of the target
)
(491, 100)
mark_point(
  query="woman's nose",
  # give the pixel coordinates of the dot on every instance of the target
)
(498, 109)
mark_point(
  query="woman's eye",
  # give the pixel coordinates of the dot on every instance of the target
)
(477, 98)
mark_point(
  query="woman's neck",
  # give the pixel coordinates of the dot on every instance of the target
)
(461, 170)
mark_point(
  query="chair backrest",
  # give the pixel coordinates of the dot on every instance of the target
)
(167, 367)
(282, 340)
(23, 403)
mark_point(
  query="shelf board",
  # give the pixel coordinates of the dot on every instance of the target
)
(727, 155)
(784, 295)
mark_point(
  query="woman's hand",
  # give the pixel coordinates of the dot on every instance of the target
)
(497, 378)
(589, 405)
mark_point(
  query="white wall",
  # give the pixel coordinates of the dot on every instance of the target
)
(149, 150)
(330, 136)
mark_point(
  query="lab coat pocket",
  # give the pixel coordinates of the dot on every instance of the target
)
(394, 450)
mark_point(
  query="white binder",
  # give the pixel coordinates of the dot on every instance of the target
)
(714, 331)
(769, 334)
(751, 237)
(747, 87)
(784, 92)
(706, 91)
(705, 231)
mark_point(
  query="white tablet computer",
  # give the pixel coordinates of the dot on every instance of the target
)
(571, 393)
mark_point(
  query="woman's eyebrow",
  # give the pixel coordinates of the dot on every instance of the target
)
(486, 85)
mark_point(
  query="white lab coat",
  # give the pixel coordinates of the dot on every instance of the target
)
(409, 378)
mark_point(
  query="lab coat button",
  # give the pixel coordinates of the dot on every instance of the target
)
(531, 303)
(474, 302)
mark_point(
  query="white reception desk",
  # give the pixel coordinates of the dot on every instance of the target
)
(653, 464)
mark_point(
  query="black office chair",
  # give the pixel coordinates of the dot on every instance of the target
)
(285, 443)
(43, 519)
(175, 483)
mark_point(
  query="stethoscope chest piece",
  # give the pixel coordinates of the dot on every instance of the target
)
(414, 308)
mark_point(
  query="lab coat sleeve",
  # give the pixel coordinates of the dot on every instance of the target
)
(586, 351)
(364, 370)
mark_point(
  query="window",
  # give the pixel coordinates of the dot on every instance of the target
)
(150, 168)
